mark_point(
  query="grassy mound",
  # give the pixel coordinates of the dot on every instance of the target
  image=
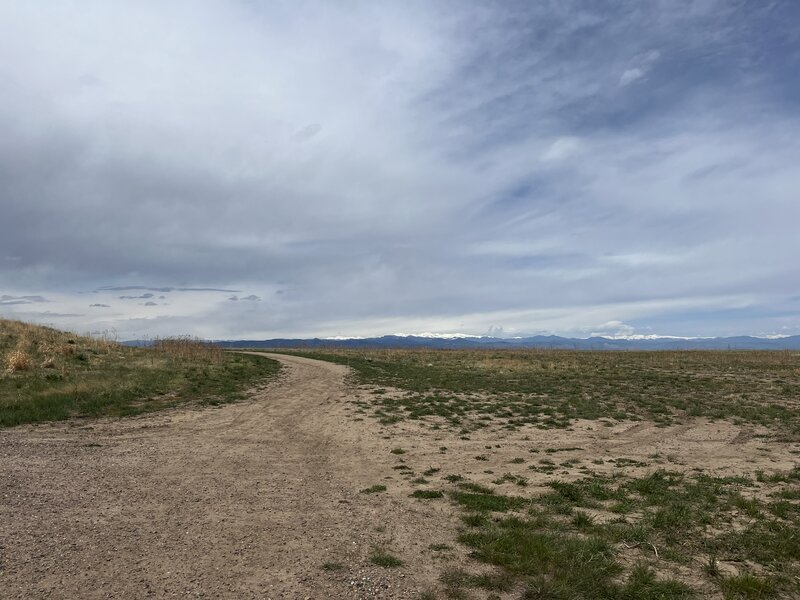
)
(50, 375)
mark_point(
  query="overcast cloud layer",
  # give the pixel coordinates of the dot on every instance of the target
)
(249, 170)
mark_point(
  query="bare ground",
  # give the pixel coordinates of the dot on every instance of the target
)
(250, 500)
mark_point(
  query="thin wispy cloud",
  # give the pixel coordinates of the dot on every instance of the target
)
(643, 65)
(142, 297)
(123, 288)
(369, 168)
(8, 300)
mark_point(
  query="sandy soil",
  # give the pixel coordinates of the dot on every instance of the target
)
(249, 500)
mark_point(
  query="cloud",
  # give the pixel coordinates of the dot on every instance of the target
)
(613, 329)
(5, 299)
(43, 316)
(562, 148)
(98, 305)
(143, 296)
(250, 298)
(124, 288)
(631, 75)
(365, 168)
(645, 62)
(151, 304)
(495, 331)
(308, 132)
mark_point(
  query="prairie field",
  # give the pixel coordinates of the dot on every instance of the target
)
(598, 474)
(552, 388)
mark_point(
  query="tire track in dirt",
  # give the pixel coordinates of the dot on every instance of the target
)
(246, 500)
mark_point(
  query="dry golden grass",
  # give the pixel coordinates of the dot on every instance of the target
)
(18, 360)
(28, 347)
(188, 348)
(25, 347)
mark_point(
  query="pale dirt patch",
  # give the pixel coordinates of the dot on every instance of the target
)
(249, 500)
(717, 448)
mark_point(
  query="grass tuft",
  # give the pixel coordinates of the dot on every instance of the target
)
(18, 360)
(427, 494)
(487, 502)
(747, 587)
(383, 559)
(374, 489)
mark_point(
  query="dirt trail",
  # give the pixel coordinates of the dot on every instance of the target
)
(243, 501)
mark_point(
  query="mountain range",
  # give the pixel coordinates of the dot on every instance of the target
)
(537, 341)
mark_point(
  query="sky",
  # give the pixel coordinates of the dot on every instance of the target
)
(247, 170)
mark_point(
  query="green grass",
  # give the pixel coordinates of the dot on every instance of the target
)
(475, 519)
(383, 559)
(561, 566)
(487, 502)
(747, 587)
(454, 578)
(73, 376)
(681, 519)
(510, 478)
(471, 486)
(374, 489)
(551, 388)
(427, 494)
